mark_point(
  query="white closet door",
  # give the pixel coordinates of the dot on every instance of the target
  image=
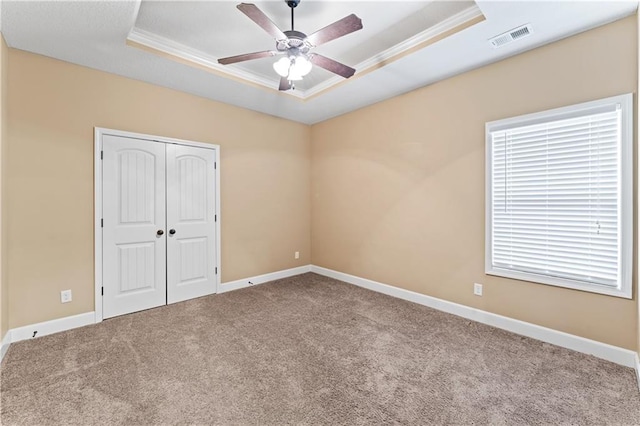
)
(191, 248)
(134, 239)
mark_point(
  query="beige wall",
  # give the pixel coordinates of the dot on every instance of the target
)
(53, 108)
(637, 180)
(4, 286)
(398, 187)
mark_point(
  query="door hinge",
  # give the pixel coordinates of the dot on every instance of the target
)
(215, 217)
(101, 223)
(102, 291)
(215, 165)
(101, 155)
(216, 270)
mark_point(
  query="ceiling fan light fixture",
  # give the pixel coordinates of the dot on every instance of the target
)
(300, 65)
(282, 65)
(293, 67)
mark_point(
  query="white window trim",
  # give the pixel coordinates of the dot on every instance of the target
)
(626, 196)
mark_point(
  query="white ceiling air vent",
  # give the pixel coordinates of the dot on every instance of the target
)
(511, 35)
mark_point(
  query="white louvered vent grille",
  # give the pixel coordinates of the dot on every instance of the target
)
(510, 36)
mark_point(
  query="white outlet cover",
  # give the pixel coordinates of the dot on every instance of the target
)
(477, 289)
(296, 255)
(65, 296)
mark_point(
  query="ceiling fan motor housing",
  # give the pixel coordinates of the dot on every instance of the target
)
(295, 40)
(292, 3)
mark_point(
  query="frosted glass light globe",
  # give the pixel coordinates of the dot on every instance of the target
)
(282, 66)
(301, 66)
(292, 67)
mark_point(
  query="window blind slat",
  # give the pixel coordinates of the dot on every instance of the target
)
(555, 198)
(603, 142)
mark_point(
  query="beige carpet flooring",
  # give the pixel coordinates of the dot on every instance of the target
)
(306, 350)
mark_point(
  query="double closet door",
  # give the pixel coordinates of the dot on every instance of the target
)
(159, 232)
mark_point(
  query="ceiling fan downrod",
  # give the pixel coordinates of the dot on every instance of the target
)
(292, 4)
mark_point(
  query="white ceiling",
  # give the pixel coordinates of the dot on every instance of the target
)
(218, 29)
(94, 34)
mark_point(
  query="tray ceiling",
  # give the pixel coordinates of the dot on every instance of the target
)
(101, 35)
(201, 32)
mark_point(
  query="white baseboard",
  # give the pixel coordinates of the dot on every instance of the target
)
(75, 321)
(611, 353)
(6, 341)
(54, 326)
(637, 366)
(261, 279)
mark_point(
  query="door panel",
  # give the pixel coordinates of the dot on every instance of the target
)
(134, 255)
(193, 258)
(136, 264)
(191, 250)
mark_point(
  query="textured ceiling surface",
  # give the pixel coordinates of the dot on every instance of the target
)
(94, 34)
(218, 29)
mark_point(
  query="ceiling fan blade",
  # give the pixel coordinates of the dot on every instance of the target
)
(284, 84)
(246, 57)
(339, 28)
(331, 65)
(257, 16)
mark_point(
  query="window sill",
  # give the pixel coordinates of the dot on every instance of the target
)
(624, 292)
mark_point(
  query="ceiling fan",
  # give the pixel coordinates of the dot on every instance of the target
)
(296, 46)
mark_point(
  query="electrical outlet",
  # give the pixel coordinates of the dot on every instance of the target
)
(296, 255)
(65, 296)
(477, 289)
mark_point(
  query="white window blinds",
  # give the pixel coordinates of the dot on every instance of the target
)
(556, 197)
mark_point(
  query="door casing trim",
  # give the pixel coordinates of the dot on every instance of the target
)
(99, 132)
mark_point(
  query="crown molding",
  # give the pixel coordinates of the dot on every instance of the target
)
(442, 29)
(173, 50)
(170, 49)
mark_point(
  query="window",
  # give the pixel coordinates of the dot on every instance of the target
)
(559, 197)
